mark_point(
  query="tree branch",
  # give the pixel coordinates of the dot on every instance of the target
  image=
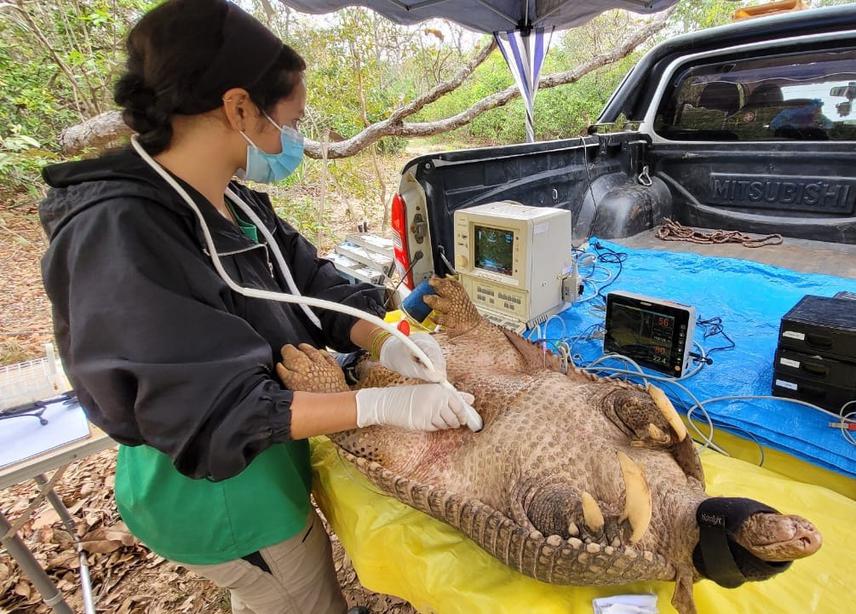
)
(444, 88)
(107, 127)
(96, 132)
(368, 136)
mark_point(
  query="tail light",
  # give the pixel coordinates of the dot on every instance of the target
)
(399, 239)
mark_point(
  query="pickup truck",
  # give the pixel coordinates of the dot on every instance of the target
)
(749, 126)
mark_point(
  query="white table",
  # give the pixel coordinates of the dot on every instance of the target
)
(34, 469)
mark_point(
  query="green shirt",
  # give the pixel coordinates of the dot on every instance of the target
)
(248, 228)
(200, 522)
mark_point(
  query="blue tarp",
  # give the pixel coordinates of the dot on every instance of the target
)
(751, 299)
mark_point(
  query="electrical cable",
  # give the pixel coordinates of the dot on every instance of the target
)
(561, 321)
(844, 419)
(588, 180)
(597, 284)
(600, 269)
(610, 257)
(442, 251)
(581, 257)
(848, 418)
(713, 327)
(416, 258)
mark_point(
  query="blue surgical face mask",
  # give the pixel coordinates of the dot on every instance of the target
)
(263, 167)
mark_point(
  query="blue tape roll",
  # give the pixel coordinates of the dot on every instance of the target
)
(414, 306)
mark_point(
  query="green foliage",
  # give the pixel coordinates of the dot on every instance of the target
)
(356, 60)
(694, 15)
(21, 159)
(560, 112)
(58, 62)
(691, 15)
(301, 212)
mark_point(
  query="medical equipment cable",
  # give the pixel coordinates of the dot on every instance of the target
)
(844, 418)
(847, 418)
(610, 257)
(416, 258)
(597, 260)
(271, 241)
(713, 327)
(474, 421)
(588, 179)
(442, 252)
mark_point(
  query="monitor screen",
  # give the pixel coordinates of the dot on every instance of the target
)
(494, 249)
(646, 335)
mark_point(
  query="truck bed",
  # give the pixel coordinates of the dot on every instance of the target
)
(796, 254)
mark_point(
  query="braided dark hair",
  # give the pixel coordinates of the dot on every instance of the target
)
(170, 55)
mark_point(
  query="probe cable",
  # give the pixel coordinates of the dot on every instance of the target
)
(474, 421)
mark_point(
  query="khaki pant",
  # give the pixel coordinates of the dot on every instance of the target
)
(301, 578)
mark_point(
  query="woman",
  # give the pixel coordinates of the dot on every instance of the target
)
(214, 470)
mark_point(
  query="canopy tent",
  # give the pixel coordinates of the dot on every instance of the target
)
(524, 54)
(522, 28)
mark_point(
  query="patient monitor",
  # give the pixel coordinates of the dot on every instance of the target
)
(515, 261)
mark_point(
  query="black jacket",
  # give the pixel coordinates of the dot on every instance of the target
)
(157, 347)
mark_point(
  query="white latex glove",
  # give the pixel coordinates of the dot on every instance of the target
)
(396, 356)
(423, 407)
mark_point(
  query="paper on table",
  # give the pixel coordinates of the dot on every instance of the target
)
(25, 437)
(626, 604)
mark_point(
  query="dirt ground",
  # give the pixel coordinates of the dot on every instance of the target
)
(126, 577)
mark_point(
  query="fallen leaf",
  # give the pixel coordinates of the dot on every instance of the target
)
(101, 546)
(62, 538)
(66, 585)
(121, 534)
(125, 608)
(66, 559)
(23, 589)
(188, 603)
(44, 535)
(45, 519)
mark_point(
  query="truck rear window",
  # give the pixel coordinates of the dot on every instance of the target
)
(806, 96)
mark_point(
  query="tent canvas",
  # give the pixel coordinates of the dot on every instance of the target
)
(488, 16)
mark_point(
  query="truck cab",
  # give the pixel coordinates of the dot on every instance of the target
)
(749, 127)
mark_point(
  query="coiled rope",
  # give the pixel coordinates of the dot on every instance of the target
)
(675, 231)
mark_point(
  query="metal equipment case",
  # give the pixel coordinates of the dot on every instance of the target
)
(816, 357)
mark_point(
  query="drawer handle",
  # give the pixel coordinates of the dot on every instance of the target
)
(815, 369)
(817, 341)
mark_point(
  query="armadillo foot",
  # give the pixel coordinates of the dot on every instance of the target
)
(308, 369)
(453, 309)
(639, 416)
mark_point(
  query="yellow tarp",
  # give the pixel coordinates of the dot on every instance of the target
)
(400, 551)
